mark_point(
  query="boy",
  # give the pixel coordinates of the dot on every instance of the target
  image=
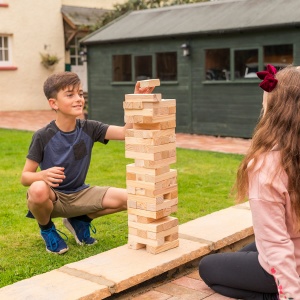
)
(62, 150)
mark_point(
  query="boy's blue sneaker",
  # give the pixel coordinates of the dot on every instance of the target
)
(54, 242)
(81, 231)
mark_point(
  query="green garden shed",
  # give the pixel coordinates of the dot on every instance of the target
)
(205, 54)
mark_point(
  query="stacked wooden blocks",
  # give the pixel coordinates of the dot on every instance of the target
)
(151, 184)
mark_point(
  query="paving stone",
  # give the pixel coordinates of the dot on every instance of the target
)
(180, 291)
(152, 295)
(127, 267)
(221, 228)
(195, 284)
(54, 285)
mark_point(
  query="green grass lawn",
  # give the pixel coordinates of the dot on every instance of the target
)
(204, 183)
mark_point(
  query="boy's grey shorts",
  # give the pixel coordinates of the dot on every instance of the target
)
(80, 203)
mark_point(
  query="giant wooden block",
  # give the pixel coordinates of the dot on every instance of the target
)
(173, 231)
(149, 148)
(150, 119)
(155, 126)
(142, 97)
(153, 214)
(150, 137)
(157, 156)
(153, 164)
(166, 246)
(152, 189)
(151, 184)
(149, 83)
(163, 107)
(155, 226)
(149, 175)
(132, 168)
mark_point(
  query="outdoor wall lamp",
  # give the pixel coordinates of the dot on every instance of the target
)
(185, 49)
(83, 55)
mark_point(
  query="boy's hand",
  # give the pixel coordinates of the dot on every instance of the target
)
(54, 176)
(139, 90)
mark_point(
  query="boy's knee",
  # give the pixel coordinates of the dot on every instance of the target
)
(38, 192)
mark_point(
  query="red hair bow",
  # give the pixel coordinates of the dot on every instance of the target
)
(268, 79)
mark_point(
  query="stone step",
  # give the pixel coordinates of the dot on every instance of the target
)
(121, 268)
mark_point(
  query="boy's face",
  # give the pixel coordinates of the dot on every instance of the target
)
(69, 101)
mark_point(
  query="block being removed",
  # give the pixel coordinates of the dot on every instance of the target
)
(149, 83)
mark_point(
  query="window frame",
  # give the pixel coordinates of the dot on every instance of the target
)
(7, 64)
(133, 69)
(232, 78)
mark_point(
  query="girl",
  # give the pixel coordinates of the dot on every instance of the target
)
(269, 176)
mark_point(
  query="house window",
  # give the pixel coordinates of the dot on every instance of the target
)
(143, 67)
(2, 4)
(166, 66)
(75, 58)
(4, 51)
(217, 64)
(122, 70)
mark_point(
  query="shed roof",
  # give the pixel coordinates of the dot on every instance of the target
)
(199, 18)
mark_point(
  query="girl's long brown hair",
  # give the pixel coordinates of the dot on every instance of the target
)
(280, 125)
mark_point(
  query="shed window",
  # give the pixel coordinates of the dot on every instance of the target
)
(166, 66)
(245, 63)
(143, 67)
(279, 55)
(4, 51)
(217, 64)
(122, 70)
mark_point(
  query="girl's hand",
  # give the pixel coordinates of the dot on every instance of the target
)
(145, 90)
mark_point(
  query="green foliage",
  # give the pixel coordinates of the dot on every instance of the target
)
(204, 183)
(130, 5)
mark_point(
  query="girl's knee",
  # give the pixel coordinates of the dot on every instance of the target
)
(205, 268)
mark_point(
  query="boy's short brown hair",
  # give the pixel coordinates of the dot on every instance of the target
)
(59, 81)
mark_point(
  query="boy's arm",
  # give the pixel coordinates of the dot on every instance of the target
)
(52, 176)
(118, 132)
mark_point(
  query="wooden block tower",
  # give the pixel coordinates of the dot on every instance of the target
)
(151, 184)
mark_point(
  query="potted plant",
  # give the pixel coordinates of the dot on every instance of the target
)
(49, 60)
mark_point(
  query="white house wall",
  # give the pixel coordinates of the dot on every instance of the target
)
(34, 27)
(106, 4)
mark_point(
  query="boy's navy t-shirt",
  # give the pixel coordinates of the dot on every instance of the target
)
(51, 147)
